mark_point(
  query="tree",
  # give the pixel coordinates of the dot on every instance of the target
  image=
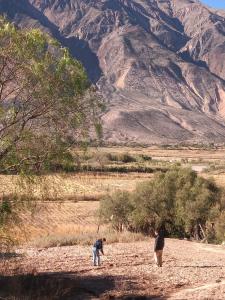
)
(196, 198)
(220, 227)
(46, 104)
(116, 209)
(154, 203)
(179, 200)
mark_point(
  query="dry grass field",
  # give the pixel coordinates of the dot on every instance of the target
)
(77, 186)
(65, 209)
(66, 205)
(189, 153)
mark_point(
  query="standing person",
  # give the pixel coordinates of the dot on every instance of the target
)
(158, 247)
(97, 247)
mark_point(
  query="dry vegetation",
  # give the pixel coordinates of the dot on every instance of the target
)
(65, 207)
(67, 186)
(66, 204)
(66, 213)
(190, 153)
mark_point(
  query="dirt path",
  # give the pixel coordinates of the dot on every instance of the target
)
(206, 291)
(190, 270)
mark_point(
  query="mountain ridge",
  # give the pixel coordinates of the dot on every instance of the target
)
(159, 63)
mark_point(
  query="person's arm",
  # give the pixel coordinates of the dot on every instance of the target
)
(101, 249)
(156, 243)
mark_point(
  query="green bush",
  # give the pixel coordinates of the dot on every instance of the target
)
(121, 157)
(116, 208)
(5, 210)
(179, 200)
(145, 157)
(220, 227)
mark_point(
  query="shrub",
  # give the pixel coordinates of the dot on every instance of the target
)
(116, 208)
(179, 200)
(145, 157)
(5, 210)
(220, 227)
(121, 157)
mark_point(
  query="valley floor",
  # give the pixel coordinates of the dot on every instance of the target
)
(190, 270)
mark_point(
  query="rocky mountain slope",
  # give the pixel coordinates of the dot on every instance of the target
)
(160, 64)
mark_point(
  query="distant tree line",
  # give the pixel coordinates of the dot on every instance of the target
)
(183, 203)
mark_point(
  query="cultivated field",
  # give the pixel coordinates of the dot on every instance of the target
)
(66, 204)
(68, 186)
(65, 208)
(180, 153)
(190, 271)
(66, 214)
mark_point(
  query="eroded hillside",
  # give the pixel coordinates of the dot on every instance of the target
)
(159, 64)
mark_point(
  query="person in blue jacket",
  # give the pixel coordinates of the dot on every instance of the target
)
(97, 248)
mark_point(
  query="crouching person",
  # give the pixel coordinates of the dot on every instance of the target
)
(97, 248)
(158, 248)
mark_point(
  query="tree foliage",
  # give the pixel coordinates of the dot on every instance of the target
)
(116, 209)
(179, 199)
(46, 104)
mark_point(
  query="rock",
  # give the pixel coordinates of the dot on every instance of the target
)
(178, 285)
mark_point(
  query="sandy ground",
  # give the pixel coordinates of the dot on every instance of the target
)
(190, 270)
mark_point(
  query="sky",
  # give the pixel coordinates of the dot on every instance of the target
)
(215, 3)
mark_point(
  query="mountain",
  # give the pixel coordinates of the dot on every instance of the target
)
(160, 64)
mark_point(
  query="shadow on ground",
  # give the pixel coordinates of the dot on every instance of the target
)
(9, 255)
(138, 297)
(63, 286)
